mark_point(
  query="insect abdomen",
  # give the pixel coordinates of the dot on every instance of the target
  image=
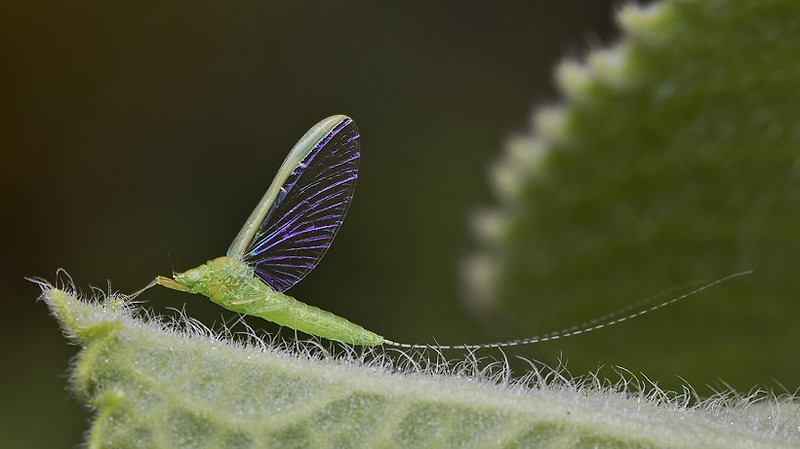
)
(234, 285)
(312, 320)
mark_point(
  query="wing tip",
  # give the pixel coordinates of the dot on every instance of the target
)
(337, 119)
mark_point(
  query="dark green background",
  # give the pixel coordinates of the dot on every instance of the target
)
(136, 133)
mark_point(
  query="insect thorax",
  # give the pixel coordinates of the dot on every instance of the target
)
(223, 280)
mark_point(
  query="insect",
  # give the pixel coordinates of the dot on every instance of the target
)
(290, 230)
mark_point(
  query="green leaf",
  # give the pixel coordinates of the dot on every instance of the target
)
(675, 157)
(155, 384)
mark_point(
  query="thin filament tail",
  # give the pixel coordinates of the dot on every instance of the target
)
(583, 328)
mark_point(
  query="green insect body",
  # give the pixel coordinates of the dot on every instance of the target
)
(290, 230)
(232, 284)
(285, 236)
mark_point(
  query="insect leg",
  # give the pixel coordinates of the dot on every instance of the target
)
(238, 302)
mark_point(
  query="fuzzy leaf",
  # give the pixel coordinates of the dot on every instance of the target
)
(166, 385)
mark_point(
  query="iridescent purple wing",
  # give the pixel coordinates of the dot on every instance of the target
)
(309, 208)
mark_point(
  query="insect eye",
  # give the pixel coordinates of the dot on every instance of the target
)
(188, 278)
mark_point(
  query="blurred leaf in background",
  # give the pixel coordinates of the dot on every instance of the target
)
(673, 158)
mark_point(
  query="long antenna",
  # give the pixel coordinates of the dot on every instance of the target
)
(583, 328)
